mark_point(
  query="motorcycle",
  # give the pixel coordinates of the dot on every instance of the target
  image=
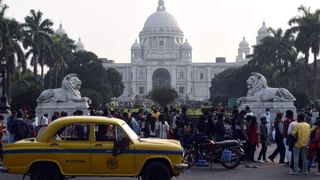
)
(228, 153)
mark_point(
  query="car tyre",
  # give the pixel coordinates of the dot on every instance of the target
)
(156, 170)
(45, 172)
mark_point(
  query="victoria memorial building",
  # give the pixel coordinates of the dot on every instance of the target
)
(163, 57)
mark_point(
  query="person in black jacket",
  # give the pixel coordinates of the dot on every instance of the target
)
(220, 131)
(278, 126)
(263, 139)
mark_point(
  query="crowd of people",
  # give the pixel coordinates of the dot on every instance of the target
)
(297, 140)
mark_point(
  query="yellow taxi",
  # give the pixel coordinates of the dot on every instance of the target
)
(92, 146)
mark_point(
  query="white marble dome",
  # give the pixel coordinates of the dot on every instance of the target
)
(186, 45)
(161, 19)
(79, 46)
(60, 31)
(244, 43)
(263, 29)
(136, 45)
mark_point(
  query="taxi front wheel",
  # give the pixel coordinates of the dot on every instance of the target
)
(156, 171)
(45, 171)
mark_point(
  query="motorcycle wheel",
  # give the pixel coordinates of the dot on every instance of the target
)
(190, 157)
(235, 160)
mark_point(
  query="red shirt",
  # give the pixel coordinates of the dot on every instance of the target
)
(286, 124)
(253, 137)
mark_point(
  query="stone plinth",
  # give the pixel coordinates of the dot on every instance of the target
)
(68, 107)
(258, 108)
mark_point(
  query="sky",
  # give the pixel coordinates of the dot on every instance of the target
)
(214, 28)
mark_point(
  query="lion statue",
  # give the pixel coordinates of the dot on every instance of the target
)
(258, 90)
(69, 92)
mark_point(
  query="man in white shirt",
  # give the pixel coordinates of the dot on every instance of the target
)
(267, 114)
(43, 120)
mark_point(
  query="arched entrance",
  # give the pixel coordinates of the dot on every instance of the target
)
(161, 78)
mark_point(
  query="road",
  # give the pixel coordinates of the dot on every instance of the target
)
(264, 171)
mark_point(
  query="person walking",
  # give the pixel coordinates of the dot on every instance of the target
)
(289, 119)
(264, 134)
(10, 123)
(316, 142)
(302, 132)
(278, 126)
(253, 138)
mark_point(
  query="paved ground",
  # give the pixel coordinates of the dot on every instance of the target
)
(266, 171)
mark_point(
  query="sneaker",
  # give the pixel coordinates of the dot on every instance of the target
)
(260, 161)
(291, 172)
(305, 173)
(317, 173)
(271, 159)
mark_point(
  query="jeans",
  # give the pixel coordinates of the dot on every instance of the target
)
(288, 153)
(263, 151)
(296, 152)
(280, 149)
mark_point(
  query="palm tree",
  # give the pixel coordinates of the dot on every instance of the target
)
(282, 51)
(37, 38)
(63, 49)
(275, 55)
(315, 47)
(11, 52)
(307, 29)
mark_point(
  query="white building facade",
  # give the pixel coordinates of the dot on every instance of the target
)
(163, 57)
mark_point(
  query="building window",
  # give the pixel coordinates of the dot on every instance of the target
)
(140, 75)
(181, 75)
(161, 43)
(201, 76)
(141, 90)
(181, 90)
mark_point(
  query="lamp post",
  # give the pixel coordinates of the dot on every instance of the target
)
(4, 106)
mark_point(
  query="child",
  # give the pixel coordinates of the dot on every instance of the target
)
(2, 132)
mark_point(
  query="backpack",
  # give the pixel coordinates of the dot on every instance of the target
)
(20, 130)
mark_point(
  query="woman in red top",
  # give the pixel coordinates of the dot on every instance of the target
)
(253, 138)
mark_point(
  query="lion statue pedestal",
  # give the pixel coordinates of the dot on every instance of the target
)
(260, 96)
(67, 98)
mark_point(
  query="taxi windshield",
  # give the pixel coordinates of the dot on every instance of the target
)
(129, 131)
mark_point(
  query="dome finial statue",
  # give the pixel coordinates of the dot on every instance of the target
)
(161, 6)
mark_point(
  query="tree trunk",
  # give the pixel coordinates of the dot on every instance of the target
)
(306, 60)
(315, 76)
(35, 66)
(7, 88)
(50, 78)
(42, 75)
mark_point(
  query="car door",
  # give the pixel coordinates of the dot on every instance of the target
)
(70, 146)
(103, 160)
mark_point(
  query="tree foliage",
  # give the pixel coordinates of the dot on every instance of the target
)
(163, 96)
(94, 77)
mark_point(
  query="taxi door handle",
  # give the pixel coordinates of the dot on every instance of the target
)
(54, 144)
(98, 145)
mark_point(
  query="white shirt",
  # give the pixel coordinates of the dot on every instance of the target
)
(291, 126)
(268, 117)
(43, 121)
(162, 129)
